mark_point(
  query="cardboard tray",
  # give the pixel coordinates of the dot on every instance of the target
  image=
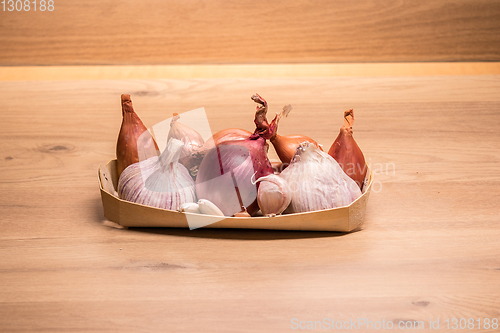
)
(130, 214)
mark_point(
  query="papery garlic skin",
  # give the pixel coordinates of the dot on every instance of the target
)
(317, 181)
(191, 138)
(274, 195)
(192, 152)
(159, 182)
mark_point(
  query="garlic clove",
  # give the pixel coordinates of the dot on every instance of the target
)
(208, 208)
(274, 195)
(190, 207)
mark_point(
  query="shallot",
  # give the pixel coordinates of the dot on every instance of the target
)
(347, 153)
(135, 143)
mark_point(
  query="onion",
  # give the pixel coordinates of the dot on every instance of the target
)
(229, 134)
(225, 175)
(226, 172)
(347, 153)
(134, 143)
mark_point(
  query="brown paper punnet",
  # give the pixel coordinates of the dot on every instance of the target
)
(130, 214)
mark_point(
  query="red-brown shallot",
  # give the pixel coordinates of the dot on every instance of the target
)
(135, 143)
(347, 153)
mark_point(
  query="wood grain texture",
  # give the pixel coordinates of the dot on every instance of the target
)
(196, 31)
(429, 247)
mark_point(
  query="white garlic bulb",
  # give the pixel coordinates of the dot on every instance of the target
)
(317, 181)
(159, 181)
(274, 194)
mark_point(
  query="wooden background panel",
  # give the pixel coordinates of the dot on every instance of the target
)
(247, 31)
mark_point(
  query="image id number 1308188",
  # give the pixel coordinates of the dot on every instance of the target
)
(28, 5)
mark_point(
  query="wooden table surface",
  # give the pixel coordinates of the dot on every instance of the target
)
(429, 248)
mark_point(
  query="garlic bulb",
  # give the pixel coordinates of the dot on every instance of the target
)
(274, 195)
(160, 181)
(192, 152)
(317, 181)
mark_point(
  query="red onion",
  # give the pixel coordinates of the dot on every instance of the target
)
(229, 134)
(225, 175)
